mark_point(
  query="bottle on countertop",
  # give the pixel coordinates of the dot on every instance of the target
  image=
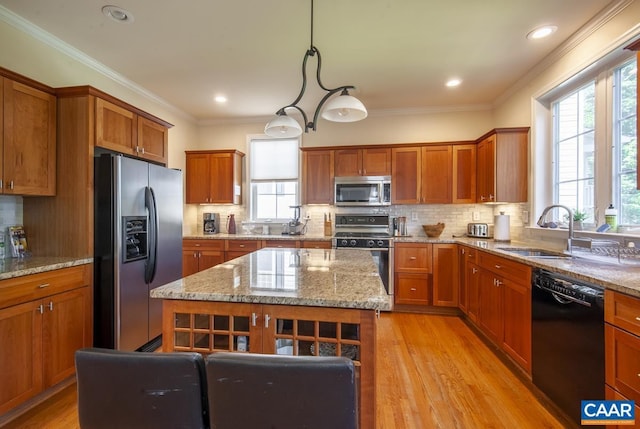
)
(611, 218)
(231, 224)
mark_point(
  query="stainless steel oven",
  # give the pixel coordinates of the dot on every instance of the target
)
(368, 232)
(363, 191)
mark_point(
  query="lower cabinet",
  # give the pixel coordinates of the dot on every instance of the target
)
(44, 318)
(198, 255)
(504, 311)
(412, 273)
(208, 327)
(468, 283)
(445, 275)
(236, 248)
(622, 347)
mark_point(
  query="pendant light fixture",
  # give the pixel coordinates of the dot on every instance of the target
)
(342, 108)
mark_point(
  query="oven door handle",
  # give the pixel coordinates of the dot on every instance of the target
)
(562, 296)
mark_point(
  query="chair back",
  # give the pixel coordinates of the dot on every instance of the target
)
(275, 391)
(119, 389)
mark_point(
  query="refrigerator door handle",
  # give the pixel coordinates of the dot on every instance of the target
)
(150, 203)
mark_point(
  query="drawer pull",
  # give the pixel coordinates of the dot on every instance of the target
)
(474, 270)
(638, 318)
(413, 258)
(498, 266)
(242, 245)
(43, 285)
(413, 289)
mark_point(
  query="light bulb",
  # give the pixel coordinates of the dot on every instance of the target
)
(343, 112)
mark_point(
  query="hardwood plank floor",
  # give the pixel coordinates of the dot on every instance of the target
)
(433, 372)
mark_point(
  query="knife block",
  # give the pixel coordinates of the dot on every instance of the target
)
(327, 228)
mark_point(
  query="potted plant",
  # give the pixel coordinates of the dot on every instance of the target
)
(578, 218)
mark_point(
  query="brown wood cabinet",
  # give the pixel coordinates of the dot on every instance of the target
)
(412, 273)
(45, 318)
(622, 344)
(316, 244)
(445, 275)
(28, 137)
(406, 170)
(214, 177)
(504, 313)
(281, 244)
(283, 329)
(464, 174)
(502, 166)
(236, 248)
(363, 162)
(122, 130)
(436, 174)
(198, 255)
(317, 176)
(469, 295)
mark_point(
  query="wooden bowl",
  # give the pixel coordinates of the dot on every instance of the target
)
(433, 230)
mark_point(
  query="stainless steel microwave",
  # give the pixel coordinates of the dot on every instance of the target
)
(363, 191)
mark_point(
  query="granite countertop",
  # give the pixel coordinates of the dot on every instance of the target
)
(223, 236)
(334, 278)
(16, 267)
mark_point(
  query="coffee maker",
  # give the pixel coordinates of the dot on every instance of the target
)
(210, 223)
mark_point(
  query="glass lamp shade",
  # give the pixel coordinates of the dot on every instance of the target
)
(344, 108)
(283, 126)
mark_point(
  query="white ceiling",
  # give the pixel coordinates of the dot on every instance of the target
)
(398, 53)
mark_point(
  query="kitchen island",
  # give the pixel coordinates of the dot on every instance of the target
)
(286, 301)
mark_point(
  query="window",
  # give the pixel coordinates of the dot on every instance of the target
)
(626, 195)
(573, 118)
(594, 142)
(273, 178)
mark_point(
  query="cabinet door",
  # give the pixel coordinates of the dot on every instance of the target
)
(348, 162)
(622, 361)
(464, 174)
(405, 176)
(197, 175)
(317, 177)
(221, 178)
(66, 328)
(20, 354)
(436, 174)
(189, 262)
(413, 257)
(153, 141)
(29, 159)
(462, 279)
(486, 170)
(517, 322)
(472, 280)
(511, 153)
(116, 127)
(412, 288)
(376, 162)
(490, 312)
(445, 275)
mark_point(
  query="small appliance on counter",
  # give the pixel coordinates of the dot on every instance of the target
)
(501, 229)
(210, 223)
(294, 226)
(480, 230)
(399, 226)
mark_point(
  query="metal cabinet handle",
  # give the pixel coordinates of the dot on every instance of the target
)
(498, 283)
(50, 306)
(638, 318)
(413, 258)
(43, 285)
(462, 251)
(142, 150)
(413, 289)
(11, 185)
(254, 319)
(241, 245)
(0, 184)
(40, 309)
(474, 270)
(266, 320)
(498, 266)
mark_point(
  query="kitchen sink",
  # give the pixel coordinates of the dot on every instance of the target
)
(534, 253)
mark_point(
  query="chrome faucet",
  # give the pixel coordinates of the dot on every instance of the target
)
(541, 222)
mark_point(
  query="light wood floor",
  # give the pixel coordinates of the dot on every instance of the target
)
(433, 372)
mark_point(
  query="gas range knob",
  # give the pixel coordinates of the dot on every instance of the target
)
(353, 243)
(343, 242)
(380, 243)
(370, 243)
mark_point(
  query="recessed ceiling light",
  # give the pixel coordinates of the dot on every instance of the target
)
(118, 14)
(453, 82)
(542, 32)
(220, 99)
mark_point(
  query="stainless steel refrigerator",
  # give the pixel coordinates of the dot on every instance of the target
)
(138, 247)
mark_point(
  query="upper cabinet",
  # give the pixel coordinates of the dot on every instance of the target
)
(123, 130)
(406, 167)
(28, 137)
(436, 174)
(317, 176)
(214, 177)
(463, 186)
(363, 162)
(502, 166)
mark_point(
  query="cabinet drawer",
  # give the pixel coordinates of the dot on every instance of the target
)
(242, 245)
(316, 244)
(469, 254)
(413, 288)
(622, 311)
(204, 244)
(413, 257)
(622, 362)
(35, 286)
(518, 272)
(282, 244)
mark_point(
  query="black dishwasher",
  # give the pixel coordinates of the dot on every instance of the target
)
(567, 340)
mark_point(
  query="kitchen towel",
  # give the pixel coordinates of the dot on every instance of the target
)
(501, 229)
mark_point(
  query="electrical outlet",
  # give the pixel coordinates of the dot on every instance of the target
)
(475, 215)
(414, 216)
(525, 217)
